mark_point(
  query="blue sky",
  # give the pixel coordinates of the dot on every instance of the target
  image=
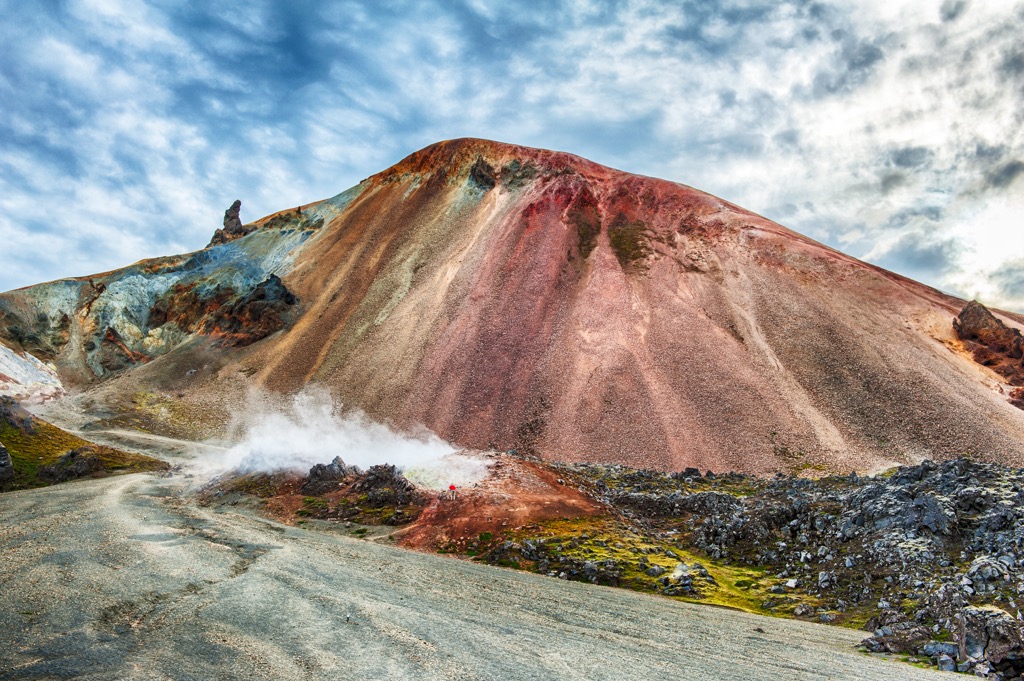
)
(889, 129)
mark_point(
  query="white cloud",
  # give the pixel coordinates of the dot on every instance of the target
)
(150, 120)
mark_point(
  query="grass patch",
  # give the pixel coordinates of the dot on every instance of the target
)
(43, 444)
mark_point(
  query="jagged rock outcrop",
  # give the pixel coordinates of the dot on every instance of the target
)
(254, 316)
(16, 416)
(483, 175)
(233, 227)
(35, 332)
(232, 223)
(991, 342)
(384, 485)
(985, 640)
(220, 312)
(114, 355)
(325, 477)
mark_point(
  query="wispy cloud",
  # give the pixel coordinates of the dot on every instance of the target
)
(890, 129)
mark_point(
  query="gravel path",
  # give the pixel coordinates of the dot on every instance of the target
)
(122, 578)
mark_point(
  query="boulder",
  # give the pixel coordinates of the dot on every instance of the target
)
(655, 571)
(936, 648)
(899, 637)
(385, 485)
(76, 463)
(986, 570)
(14, 415)
(994, 636)
(325, 477)
(254, 316)
(6, 465)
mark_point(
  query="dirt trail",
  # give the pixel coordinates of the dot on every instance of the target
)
(123, 578)
(169, 449)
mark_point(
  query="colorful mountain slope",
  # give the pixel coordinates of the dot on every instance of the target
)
(525, 299)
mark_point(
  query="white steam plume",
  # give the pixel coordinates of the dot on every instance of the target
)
(275, 432)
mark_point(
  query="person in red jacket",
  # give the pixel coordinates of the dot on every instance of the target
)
(451, 492)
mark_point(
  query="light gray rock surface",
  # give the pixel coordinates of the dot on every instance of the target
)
(124, 578)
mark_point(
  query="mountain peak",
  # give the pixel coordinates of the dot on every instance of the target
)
(457, 156)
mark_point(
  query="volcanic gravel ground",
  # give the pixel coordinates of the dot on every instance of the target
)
(126, 578)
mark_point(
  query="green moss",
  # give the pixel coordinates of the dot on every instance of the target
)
(628, 240)
(45, 444)
(263, 485)
(588, 225)
(603, 538)
(515, 174)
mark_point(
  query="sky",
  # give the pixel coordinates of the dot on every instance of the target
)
(888, 129)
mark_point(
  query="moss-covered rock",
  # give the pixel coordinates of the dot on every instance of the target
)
(42, 454)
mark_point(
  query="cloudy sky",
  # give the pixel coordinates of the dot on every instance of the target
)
(890, 129)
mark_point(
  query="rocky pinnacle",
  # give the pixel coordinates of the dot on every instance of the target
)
(232, 223)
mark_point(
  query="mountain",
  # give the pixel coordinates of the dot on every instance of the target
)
(525, 299)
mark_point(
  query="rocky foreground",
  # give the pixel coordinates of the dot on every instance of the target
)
(127, 578)
(926, 557)
(930, 553)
